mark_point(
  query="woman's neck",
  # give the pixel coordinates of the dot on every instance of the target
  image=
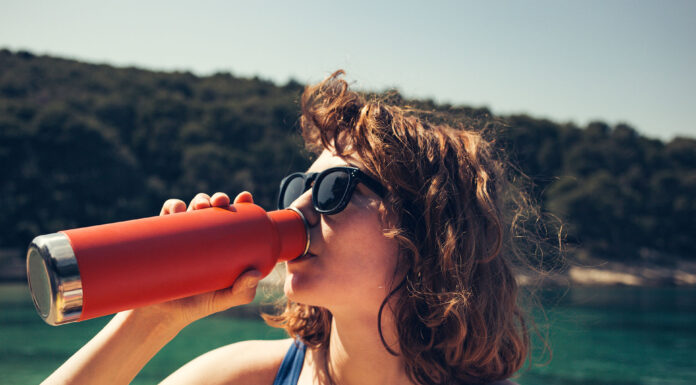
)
(356, 354)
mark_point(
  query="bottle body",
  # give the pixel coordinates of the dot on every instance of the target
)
(89, 272)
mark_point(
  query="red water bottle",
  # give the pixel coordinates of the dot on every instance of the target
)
(89, 272)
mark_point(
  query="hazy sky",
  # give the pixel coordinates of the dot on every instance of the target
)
(616, 61)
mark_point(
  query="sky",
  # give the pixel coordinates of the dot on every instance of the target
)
(617, 61)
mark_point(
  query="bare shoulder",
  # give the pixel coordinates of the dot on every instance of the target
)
(246, 362)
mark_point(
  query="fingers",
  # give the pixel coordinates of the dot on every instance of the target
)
(244, 197)
(202, 201)
(172, 206)
(220, 200)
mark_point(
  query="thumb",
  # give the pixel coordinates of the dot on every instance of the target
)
(242, 291)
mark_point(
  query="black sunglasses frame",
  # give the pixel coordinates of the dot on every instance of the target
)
(355, 176)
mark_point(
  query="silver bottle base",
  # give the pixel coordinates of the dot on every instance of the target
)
(54, 279)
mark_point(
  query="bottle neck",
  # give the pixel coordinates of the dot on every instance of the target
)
(293, 233)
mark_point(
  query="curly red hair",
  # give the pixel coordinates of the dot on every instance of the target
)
(456, 310)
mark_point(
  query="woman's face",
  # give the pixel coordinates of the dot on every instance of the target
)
(352, 263)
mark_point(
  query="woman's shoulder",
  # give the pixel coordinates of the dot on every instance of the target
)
(245, 362)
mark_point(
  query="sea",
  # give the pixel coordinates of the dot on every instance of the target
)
(582, 336)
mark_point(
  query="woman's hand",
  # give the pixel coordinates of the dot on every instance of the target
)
(186, 310)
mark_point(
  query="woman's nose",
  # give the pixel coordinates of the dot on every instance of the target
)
(304, 204)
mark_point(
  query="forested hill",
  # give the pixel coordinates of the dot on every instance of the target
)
(84, 144)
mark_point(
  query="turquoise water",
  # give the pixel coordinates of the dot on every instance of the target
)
(621, 336)
(599, 336)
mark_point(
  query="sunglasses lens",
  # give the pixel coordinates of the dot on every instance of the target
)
(293, 189)
(331, 189)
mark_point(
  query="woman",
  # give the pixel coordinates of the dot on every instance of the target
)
(406, 281)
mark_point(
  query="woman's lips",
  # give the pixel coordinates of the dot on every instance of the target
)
(302, 258)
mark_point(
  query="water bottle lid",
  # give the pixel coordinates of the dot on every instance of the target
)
(54, 279)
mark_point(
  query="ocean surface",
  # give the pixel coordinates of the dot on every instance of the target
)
(598, 336)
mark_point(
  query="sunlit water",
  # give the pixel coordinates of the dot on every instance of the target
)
(600, 336)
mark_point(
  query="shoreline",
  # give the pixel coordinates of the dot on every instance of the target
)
(600, 274)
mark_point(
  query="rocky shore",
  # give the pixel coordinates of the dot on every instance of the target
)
(681, 273)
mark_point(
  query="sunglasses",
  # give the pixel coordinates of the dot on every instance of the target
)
(331, 191)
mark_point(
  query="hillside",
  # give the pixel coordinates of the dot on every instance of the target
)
(83, 144)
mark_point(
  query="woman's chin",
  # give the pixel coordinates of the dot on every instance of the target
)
(299, 289)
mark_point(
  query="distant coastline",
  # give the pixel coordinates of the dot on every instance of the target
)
(682, 274)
